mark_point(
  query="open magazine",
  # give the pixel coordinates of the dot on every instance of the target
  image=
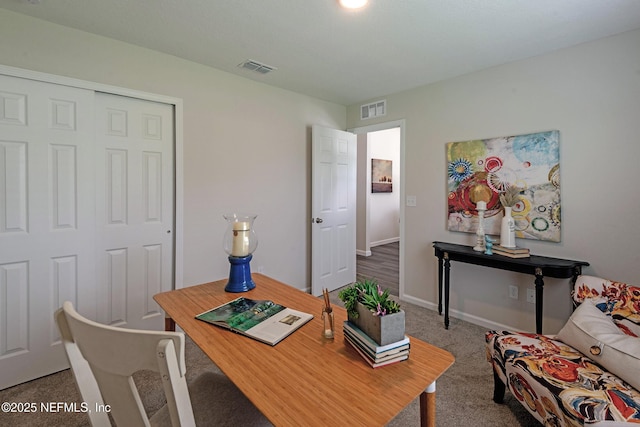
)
(262, 320)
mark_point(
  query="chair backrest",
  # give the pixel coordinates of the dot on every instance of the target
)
(104, 358)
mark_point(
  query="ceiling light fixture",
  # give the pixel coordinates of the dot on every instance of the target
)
(353, 4)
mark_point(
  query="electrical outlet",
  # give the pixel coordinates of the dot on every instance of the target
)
(513, 292)
(531, 296)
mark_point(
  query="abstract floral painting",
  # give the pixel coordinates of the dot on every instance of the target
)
(483, 169)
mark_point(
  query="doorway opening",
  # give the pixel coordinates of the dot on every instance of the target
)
(380, 213)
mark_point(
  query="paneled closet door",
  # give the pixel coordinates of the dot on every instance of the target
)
(47, 221)
(135, 209)
(86, 215)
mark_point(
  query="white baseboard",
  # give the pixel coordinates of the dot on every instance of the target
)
(363, 253)
(476, 320)
(385, 241)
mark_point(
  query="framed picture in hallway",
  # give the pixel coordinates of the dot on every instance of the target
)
(483, 169)
(381, 181)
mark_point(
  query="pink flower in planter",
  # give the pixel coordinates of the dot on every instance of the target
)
(380, 311)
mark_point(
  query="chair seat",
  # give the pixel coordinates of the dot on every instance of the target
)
(216, 401)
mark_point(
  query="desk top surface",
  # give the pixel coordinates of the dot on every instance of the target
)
(304, 377)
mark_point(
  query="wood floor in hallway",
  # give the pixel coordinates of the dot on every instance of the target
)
(383, 265)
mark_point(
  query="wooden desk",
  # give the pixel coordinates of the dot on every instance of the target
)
(539, 266)
(304, 379)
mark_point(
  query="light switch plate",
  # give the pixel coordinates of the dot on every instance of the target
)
(411, 200)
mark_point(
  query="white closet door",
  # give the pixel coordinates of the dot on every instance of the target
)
(135, 209)
(47, 221)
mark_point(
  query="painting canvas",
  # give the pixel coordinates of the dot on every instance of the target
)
(381, 181)
(483, 169)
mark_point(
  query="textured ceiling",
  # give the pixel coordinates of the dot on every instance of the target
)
(344, 56)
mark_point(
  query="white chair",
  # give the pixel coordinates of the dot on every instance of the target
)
(104, 358)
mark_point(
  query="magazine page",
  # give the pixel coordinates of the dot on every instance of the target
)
(260, 319)
(279, 326)
(241, 314)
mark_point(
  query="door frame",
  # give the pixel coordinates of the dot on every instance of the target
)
(177, 103)
(384, 126)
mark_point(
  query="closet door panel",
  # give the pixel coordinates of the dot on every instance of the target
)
(47, 221)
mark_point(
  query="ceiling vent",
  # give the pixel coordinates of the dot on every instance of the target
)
(256, 66)
(374, 109)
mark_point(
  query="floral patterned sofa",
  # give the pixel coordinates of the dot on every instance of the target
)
(587, 374)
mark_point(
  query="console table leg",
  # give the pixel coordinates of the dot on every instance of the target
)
(440, 285)
(447, 268)
(428, 406)
(539, 301)
(577, 271)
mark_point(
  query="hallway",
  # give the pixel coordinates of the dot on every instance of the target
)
(382, 265)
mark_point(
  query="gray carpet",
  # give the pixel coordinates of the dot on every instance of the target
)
(464, 392)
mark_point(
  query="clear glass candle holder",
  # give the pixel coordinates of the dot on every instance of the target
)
(328, 322)
(240, 239)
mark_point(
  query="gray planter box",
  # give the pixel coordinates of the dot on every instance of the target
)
(382, 329)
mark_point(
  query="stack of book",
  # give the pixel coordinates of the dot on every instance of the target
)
(511, 252)
(376, 355)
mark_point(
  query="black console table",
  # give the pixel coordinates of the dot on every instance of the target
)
(539, 266)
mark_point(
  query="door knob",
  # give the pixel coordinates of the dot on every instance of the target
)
(318, 220)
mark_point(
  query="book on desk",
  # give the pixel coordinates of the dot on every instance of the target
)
(374, 354)
(261, 320)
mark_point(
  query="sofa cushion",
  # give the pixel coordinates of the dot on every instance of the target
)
(556, 383)
(620, 300)
(595, 335)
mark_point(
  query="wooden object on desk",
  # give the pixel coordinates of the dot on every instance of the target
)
(306, 379)
(539, 266)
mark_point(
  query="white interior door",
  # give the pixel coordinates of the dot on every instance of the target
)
(47, 221)
(333, 235)
(134, 188)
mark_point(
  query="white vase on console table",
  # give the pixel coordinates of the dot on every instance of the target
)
(508, 229)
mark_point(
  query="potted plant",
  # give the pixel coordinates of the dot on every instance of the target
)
(373, 311)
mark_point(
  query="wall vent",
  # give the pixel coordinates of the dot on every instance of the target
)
(256, 66)
(374, 109)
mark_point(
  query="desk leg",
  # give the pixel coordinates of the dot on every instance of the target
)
(169, 324)
(428, 406)
(439, 284)
(539, 289)
(447, 268)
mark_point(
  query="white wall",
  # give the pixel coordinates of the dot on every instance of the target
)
(247, 148)
(384, 208)
(246, 144)
(591, 94)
